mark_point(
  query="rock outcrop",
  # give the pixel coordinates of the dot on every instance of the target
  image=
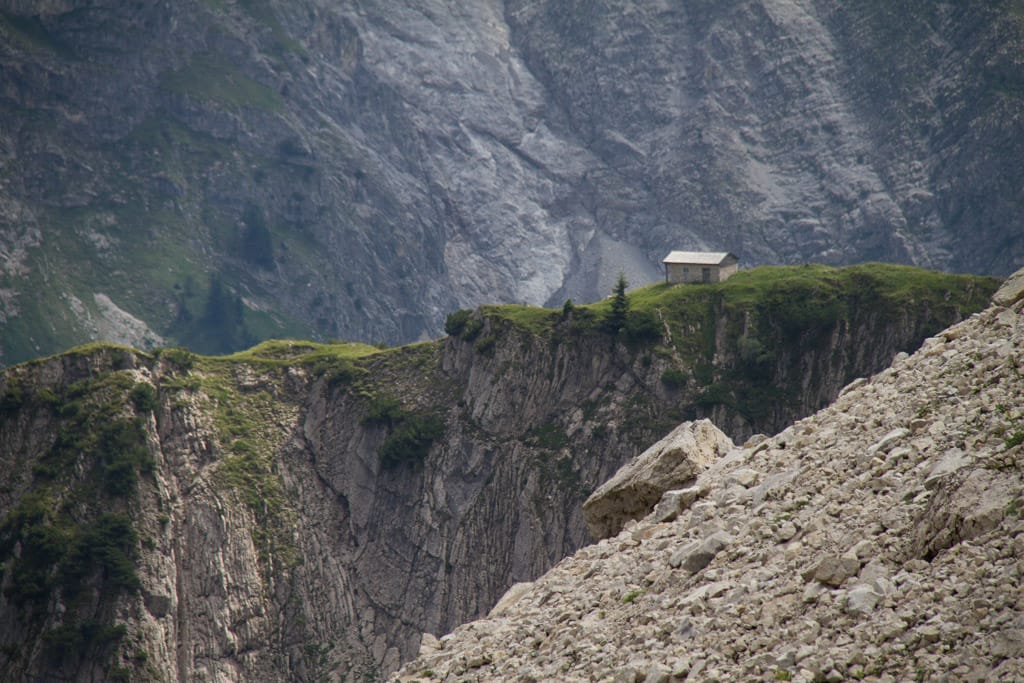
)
(672, 463)
(302, 511)
(880, 539)
(358, 171)
(1011, 291)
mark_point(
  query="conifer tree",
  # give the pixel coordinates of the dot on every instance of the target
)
(616, 319)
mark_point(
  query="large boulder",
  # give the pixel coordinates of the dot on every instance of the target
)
(672, 463)
(1012, 290)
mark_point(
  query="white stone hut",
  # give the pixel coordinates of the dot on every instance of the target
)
(699, 266)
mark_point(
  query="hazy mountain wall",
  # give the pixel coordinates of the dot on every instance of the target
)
(212, 173)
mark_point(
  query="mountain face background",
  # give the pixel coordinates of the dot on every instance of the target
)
(218, 171)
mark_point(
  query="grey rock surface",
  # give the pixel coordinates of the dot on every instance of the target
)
(1012, 290)
(676, 501)
(834, 570)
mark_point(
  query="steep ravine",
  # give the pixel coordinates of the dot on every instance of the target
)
(302, 511)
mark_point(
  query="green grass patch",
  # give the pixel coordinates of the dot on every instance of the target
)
(181, 359)
(673, 378)
(795, 301)
(69, 642)
(335, 362)
(289, 352)
(816, 285)
(251, 471)
(99, 430)
(29, 33)
(735, 336)
(13, 398)
(410, 442)
(456, 321)
(110, 349)
(410, 433)
(383, 411)
(549, 437)
(251, 427)
(113, 356)
(532, 319)
(213, 78)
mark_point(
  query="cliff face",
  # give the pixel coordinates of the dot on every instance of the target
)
(215, 172)
(878, 539)
(299, 511)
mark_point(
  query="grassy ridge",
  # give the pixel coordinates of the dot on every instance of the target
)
(721, 344)
(798, 296)
(741, 343)
(795, 299)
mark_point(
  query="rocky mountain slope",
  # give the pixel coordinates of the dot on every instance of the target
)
(301, 511)
(211, 172)
(880, 539)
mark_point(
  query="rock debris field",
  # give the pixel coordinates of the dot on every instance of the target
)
(881, 539)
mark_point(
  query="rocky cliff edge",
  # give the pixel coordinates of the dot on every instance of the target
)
(880, 539)
(302, 511)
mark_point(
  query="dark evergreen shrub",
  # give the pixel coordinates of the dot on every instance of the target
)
(673, 378)
(456, 321)
(410, 443)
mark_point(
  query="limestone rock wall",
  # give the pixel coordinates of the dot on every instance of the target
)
(358, 171)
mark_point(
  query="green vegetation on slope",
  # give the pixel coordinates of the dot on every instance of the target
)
(410, 434)
(211, 77)
(699, 346)
(72, 538)
(183, 298)
(734, 340)
(798, 299)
